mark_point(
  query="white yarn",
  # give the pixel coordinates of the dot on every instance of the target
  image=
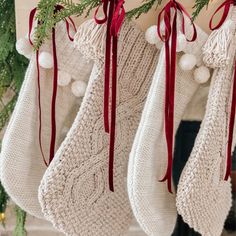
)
(74, 192)
(152, 204)
(202, 74)
(46, 60)
(24, 47)
(78, 88)
(181, 42)
(203, 197)
(151, 35)
(215, 50)
(187, 62)
(64, 78)
(21, 164)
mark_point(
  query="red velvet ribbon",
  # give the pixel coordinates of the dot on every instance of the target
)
(55, 78)
(226, 5)
(114, 14)
(170, 35)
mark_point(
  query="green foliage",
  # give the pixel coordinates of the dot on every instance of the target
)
(12, 65)
(48, 17)
(20, 224)
(3, 202)
(12, 69)
(199, 5)
(144, 8)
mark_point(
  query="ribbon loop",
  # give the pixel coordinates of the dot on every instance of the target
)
(103, 20)
(226, 7)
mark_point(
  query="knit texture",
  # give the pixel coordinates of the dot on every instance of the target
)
(152, 204)
(74, 192)
(21, 162)
(203, 197)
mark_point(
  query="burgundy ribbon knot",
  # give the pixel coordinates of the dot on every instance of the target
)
(55, 78)
(170, 24)
(226, 5)
(114, 14)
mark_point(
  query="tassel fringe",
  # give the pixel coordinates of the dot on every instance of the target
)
(215, 51)
(90, 40)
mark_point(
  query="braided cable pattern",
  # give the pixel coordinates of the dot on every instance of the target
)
(74, 192)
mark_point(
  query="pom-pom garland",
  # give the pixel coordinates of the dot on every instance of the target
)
(46, 60)
(78, 88)
(64, 78)
(202, 74)
(187, 62)
(151, 35)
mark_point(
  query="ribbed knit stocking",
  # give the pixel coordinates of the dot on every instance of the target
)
(21, 162)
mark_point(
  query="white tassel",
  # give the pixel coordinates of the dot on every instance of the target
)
(90, 39)
(215, 51)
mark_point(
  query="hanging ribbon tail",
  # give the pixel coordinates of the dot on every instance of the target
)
(231, 128)
(171, 8)
(55, 78)
(114, 17)
(40, 109)
(118, 18)
(54, 96)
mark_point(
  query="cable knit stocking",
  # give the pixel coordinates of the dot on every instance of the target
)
(152, 204)
(203, 197)
(21, 162)
(74, 192)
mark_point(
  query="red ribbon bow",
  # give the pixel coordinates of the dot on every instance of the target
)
(226, 5)
(55, 75)
(170, 55)
(114, 14)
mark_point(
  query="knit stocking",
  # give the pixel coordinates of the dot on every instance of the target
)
(74, 192)
(152, 204)
(203, 197)
(21, 162)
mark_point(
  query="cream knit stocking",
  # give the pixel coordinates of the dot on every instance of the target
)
(152, 204)
(21, 163)
(74, 192)
(203, 197)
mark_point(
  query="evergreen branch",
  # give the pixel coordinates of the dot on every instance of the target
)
(144, 8)
(48, 18)
(3, 204)
(199, 5)
(6, 112)
(20, 222)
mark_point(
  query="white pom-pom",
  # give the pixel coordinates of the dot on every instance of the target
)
(181, 42)
(187, 62)
(78, 88)
(151, 35)
(46, 60)
(64, 78)
(202, 74)
(24, 47)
